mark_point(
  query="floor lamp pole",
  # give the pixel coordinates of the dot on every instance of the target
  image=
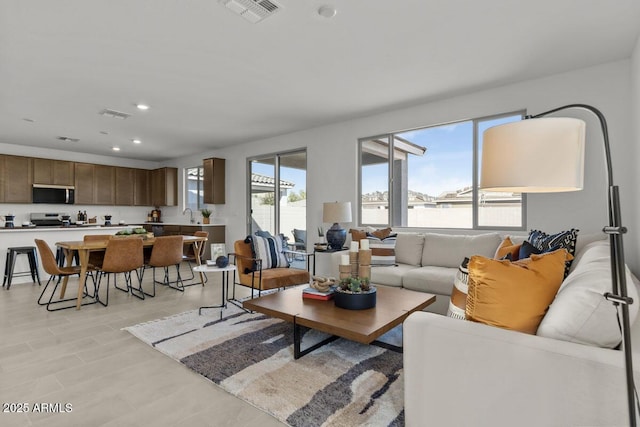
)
(614, 230)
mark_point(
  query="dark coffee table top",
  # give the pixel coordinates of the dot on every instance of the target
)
(393, 305)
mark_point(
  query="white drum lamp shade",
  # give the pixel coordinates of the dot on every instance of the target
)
(335, 213)
(543, 155)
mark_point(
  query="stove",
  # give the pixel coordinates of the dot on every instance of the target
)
(47, 219)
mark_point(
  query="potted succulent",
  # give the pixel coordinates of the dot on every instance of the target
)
(206, 213)
(355, 293)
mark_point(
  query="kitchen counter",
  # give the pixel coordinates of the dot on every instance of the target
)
(184, 224)
(81, 228)
(25, 236)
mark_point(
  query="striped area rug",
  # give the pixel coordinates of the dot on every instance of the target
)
(251, 356)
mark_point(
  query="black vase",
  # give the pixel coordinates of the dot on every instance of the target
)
(222, 261)
(336, 238)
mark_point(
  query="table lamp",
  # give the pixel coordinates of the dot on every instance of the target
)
(336, 212)
(538, 155)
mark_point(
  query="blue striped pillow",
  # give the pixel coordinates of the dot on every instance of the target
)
(270, 251)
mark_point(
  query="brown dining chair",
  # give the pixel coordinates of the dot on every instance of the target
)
(167, 251)
(123, 255)
(96, 258)
(56, 274)
(189, 255)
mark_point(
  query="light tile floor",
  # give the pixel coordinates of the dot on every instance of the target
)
(109, 378)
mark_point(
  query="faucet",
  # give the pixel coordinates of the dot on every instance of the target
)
(191, 219)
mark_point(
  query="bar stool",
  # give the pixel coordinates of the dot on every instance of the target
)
(10, 263)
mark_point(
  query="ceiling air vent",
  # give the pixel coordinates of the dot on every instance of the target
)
(67, 139)
(115, 114)
(253, 11)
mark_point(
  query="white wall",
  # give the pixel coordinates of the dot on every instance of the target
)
(634, 235)
(332, 151)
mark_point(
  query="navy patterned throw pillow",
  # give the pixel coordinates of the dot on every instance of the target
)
(270, 251)
(550, 242)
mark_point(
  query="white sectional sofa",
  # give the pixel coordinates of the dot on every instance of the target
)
(461, 373)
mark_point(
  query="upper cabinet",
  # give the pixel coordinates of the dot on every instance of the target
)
(53, 172)
(84, 176)
(214, 181)
(104, 185)
(142, 188)
(16, 179)
(164, 187)
(125, 186)
(94, 184)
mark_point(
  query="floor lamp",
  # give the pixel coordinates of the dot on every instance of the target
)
(542, 155)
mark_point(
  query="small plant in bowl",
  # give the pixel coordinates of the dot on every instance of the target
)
(355, 293)
(206, 213)
(355, 285)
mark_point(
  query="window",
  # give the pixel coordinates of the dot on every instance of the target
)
(193, 188)
(429, 177)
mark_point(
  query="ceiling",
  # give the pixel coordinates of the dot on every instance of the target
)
(213, 79)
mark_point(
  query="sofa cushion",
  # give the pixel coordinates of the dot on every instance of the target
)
(383, 251)
(409, 248)
(390, 275)
(514, 295)
(432, 279)
(580, 313)
(458, 301)
(445, 250)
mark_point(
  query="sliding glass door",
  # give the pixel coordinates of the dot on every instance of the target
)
(278, 194)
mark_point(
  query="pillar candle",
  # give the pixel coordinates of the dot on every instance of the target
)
(354, 247)
(344, 259)
(364, 244)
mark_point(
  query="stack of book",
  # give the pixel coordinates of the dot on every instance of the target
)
(316, 294)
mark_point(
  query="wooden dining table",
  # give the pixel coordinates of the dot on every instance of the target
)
(83, 249)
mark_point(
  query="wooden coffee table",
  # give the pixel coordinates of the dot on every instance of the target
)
(393, 305)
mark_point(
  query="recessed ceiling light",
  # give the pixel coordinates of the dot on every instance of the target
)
(136, 141)
(327, 11)
(116, 148)
(142, 106)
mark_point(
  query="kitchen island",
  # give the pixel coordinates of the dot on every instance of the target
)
(25, 236)
(216, 232)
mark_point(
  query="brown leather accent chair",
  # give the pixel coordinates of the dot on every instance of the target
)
(123, 255)
(190, 256)
(167, 251)
(56, 273)
(251, 274)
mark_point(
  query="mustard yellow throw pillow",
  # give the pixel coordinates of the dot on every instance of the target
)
(514, 295)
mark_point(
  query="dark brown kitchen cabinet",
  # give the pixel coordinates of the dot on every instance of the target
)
(214, 181)
(142, 189)
(125, 186)
(55, 172)
(16, 179)
(164, 187)
(105, 185)
(84, 178)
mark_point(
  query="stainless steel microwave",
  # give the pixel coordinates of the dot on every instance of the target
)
(53, 194)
